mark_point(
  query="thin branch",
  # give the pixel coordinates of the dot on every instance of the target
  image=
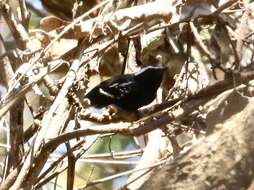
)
(109, 178)
(59, 160)
(71, 167)
(186, 107)
(117, 155)
(18, 31)
(104, 161)
(24, 14)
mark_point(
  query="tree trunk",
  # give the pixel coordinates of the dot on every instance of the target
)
(224, 160)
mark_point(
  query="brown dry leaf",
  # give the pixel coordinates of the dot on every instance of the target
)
(43, 38)
(62, 46)
(52, 23)
(111, 62)
(34, 44)
(150, 44)
(242, 35)
(123, 20)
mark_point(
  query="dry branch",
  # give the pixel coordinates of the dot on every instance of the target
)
(98, 34)
(163, 118)
(18, 30)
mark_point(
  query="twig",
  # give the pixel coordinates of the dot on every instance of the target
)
(125, 186)
(67, 28)
(223, 7)
(104, 161)
(72, 24)
(52, 176)
(63, 168)
(117, 155)
(136, 129)
(24, 14)
(18, 31)
(200, 43)
(71, 167)
(102, 180)
(61, 158)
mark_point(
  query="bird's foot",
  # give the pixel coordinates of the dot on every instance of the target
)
(122, 114)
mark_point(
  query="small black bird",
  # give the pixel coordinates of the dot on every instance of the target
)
(129, 91)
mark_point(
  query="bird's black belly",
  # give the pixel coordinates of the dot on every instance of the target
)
(132, 103)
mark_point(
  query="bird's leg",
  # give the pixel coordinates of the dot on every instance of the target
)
(112, 110)
(112, 114)
(122, 114)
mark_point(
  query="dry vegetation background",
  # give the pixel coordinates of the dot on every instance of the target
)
(198, 134)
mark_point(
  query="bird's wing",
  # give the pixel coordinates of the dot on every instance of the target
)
(119, 87)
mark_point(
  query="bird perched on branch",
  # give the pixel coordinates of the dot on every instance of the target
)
(130, 91)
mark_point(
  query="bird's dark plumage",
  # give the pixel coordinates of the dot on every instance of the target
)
(129, 91)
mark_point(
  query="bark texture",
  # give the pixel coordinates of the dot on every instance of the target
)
(224, 160)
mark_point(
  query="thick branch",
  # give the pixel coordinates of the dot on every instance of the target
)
(186, 107)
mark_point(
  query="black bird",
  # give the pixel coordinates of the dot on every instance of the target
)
(129, 91)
